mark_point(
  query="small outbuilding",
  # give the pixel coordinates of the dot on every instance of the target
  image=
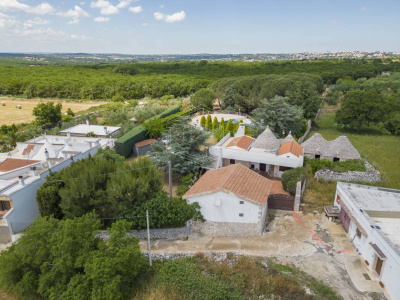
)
(337, 150)
(233, 201)
(143, 147)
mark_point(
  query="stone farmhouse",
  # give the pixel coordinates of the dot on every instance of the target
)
(371, 216)
(337, 150)
(233, 201)
(24, 170)
(266, 154)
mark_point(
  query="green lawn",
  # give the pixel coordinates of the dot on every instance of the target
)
(379, 148)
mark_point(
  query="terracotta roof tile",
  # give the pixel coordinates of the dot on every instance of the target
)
(28, 149)
(243, 142)
(13, 163)
(237, 179)
(145, 143)
(291, 147)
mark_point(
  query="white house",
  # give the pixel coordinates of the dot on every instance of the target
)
(97, 130)
(266, 153)
(371, 216)
(233, 201)
(24, 170)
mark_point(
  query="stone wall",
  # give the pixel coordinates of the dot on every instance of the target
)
(372, 175)
(161, 233)
(227, 228)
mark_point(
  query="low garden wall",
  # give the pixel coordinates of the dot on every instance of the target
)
(227, 228)
(371, 175)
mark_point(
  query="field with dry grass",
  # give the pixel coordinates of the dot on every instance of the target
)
(10, 114)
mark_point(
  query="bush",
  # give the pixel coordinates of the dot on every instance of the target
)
(291, 177)
(340, 166)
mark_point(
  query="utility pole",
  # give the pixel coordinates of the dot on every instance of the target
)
(148, 237)
(170, 179)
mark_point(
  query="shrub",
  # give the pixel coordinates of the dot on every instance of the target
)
(124, 145)
(203, 121)
(291, 177)
(340, 166)
(208, 123)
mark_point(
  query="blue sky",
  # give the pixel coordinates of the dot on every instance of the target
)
(189, 26)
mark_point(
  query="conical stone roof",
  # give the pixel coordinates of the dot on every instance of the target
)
(267, 140)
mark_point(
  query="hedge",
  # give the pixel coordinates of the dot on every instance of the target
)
(291, 177)
(124, 145)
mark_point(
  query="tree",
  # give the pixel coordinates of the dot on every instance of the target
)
(203, 98)
(214, 123)
(47, 113)
(186, 148)
(208, 125)
(291, 177)
(154, 127)
(392, 123)
(361, 108)
(229, 127)
(203, 121)
(280, 116)
(222, 123)
(68, 260)
(70, 112)
(90, 134)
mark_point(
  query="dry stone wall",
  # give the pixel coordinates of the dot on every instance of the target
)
(372, 175)
(227, 228)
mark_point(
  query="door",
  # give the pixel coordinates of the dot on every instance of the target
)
(263, 167)
(344, 217)
(280, 201)
(378, 267)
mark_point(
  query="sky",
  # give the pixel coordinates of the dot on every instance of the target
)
(199, 26)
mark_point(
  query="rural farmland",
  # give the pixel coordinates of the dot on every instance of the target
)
(11, 114)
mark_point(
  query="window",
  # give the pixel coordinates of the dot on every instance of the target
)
(241, 202)
(240, 215)
(232, 161)
(5, 205)
(252, 166)
(358, 232)
(336, 159)
(317, 156)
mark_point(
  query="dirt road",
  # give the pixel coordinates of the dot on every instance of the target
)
(313, 244)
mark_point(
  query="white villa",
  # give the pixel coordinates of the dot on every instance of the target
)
(98, 130)
(24, 170)
(371, 216)
(266, 153)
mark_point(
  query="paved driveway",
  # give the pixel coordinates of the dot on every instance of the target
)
(310, 242)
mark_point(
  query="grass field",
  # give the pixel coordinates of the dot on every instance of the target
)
(379, 148)
(10, 114)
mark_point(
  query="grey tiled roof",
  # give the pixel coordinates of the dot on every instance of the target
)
(267, 140)
(341, 147)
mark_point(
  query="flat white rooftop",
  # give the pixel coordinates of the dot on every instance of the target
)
(391, 228)
(372, 198)
(98, 130)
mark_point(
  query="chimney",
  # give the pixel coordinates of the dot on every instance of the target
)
(21, 180)
(105, 130)
(90, 145)
(87, 122)
(46, 152)
(32, 171)
(241, 130)
(68, 134)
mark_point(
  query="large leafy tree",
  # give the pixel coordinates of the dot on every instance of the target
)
(203, 98)
(280, 116)
(186, 148)
(67, 260)
(361, 108)
(47, 113)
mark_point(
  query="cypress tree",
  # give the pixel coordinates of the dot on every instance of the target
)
(214, 123)
(229, 127)
(208, 122)
(202, 121)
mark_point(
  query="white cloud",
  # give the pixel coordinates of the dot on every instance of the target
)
(363, 8)
(101, 19)
(334, 22)
(77, 12)
(82, 3)
(123, 4)
(144, 24)
(73, 22)
(35, 22)
(8, 23)
(135, 9)
(15, 5)
(176, 17)
(106, 8)
(162, 6)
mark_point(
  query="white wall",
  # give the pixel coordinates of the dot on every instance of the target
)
(390, 272)
(228, 209)
(24, 200)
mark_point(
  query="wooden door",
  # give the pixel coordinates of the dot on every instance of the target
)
(378, 267)
(344, 217)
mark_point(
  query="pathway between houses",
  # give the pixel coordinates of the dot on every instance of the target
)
(311, 243)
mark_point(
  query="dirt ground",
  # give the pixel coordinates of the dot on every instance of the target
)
(10, 114)
(310, 242)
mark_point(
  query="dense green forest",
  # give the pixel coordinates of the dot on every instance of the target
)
(137, 80)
